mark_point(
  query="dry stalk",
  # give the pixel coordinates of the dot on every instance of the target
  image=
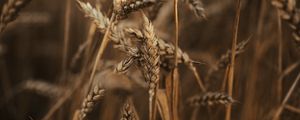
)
(286, 98)
(292, 108)
(10, 11)
(289, 12)
(175, 74)
(210, 98)
(233, 54)
(67, 23)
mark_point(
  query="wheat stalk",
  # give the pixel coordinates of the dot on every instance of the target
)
(10, 11)
(289, 12)
(210, 98)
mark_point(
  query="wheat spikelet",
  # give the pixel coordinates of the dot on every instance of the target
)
(90, 100)
(197, 7)
(124, 65)
(289, 12)
(127, 112)
(210, 98)
(96, 16)
(124, 7)
(42, 88)
(10, 11)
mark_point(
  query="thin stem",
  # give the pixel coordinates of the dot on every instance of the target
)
(292, 108)
(176, 31)
(231, 67)
(66, 38)
(100, 52)
(279, 82)
(286, 98)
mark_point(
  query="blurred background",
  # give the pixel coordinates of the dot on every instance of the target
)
(31, 48)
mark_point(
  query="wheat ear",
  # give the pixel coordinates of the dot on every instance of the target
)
(210, 98)
(10, 11)
(289, 12)
(124, 7)
(90, 100)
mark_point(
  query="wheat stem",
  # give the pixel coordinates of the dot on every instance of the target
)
(233, 51)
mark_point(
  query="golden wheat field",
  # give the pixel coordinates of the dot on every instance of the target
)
(149, 59)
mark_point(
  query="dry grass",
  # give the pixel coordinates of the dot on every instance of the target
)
(149, 59)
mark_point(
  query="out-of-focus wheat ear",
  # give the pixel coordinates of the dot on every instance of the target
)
(124, 65)
(91, 100)
(197, 7)
(210, 98)
(124, 7)
(128, 112)
(95, 15)
(289, 12)
(225, 59)
(10, 11)
(42, 88)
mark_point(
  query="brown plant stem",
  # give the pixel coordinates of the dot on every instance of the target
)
(231, 66)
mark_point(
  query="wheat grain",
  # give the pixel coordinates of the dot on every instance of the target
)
(10, 11)
(124, 65)
(210, 98)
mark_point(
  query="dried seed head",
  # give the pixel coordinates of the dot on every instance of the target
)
(42, 88)
(128, 112)
(89, 102)
(124, 7)
(150, 56)
(289, 12)
(95, 15)
(225, 59)
(210, 98)
(197, 7)
(10, 11)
